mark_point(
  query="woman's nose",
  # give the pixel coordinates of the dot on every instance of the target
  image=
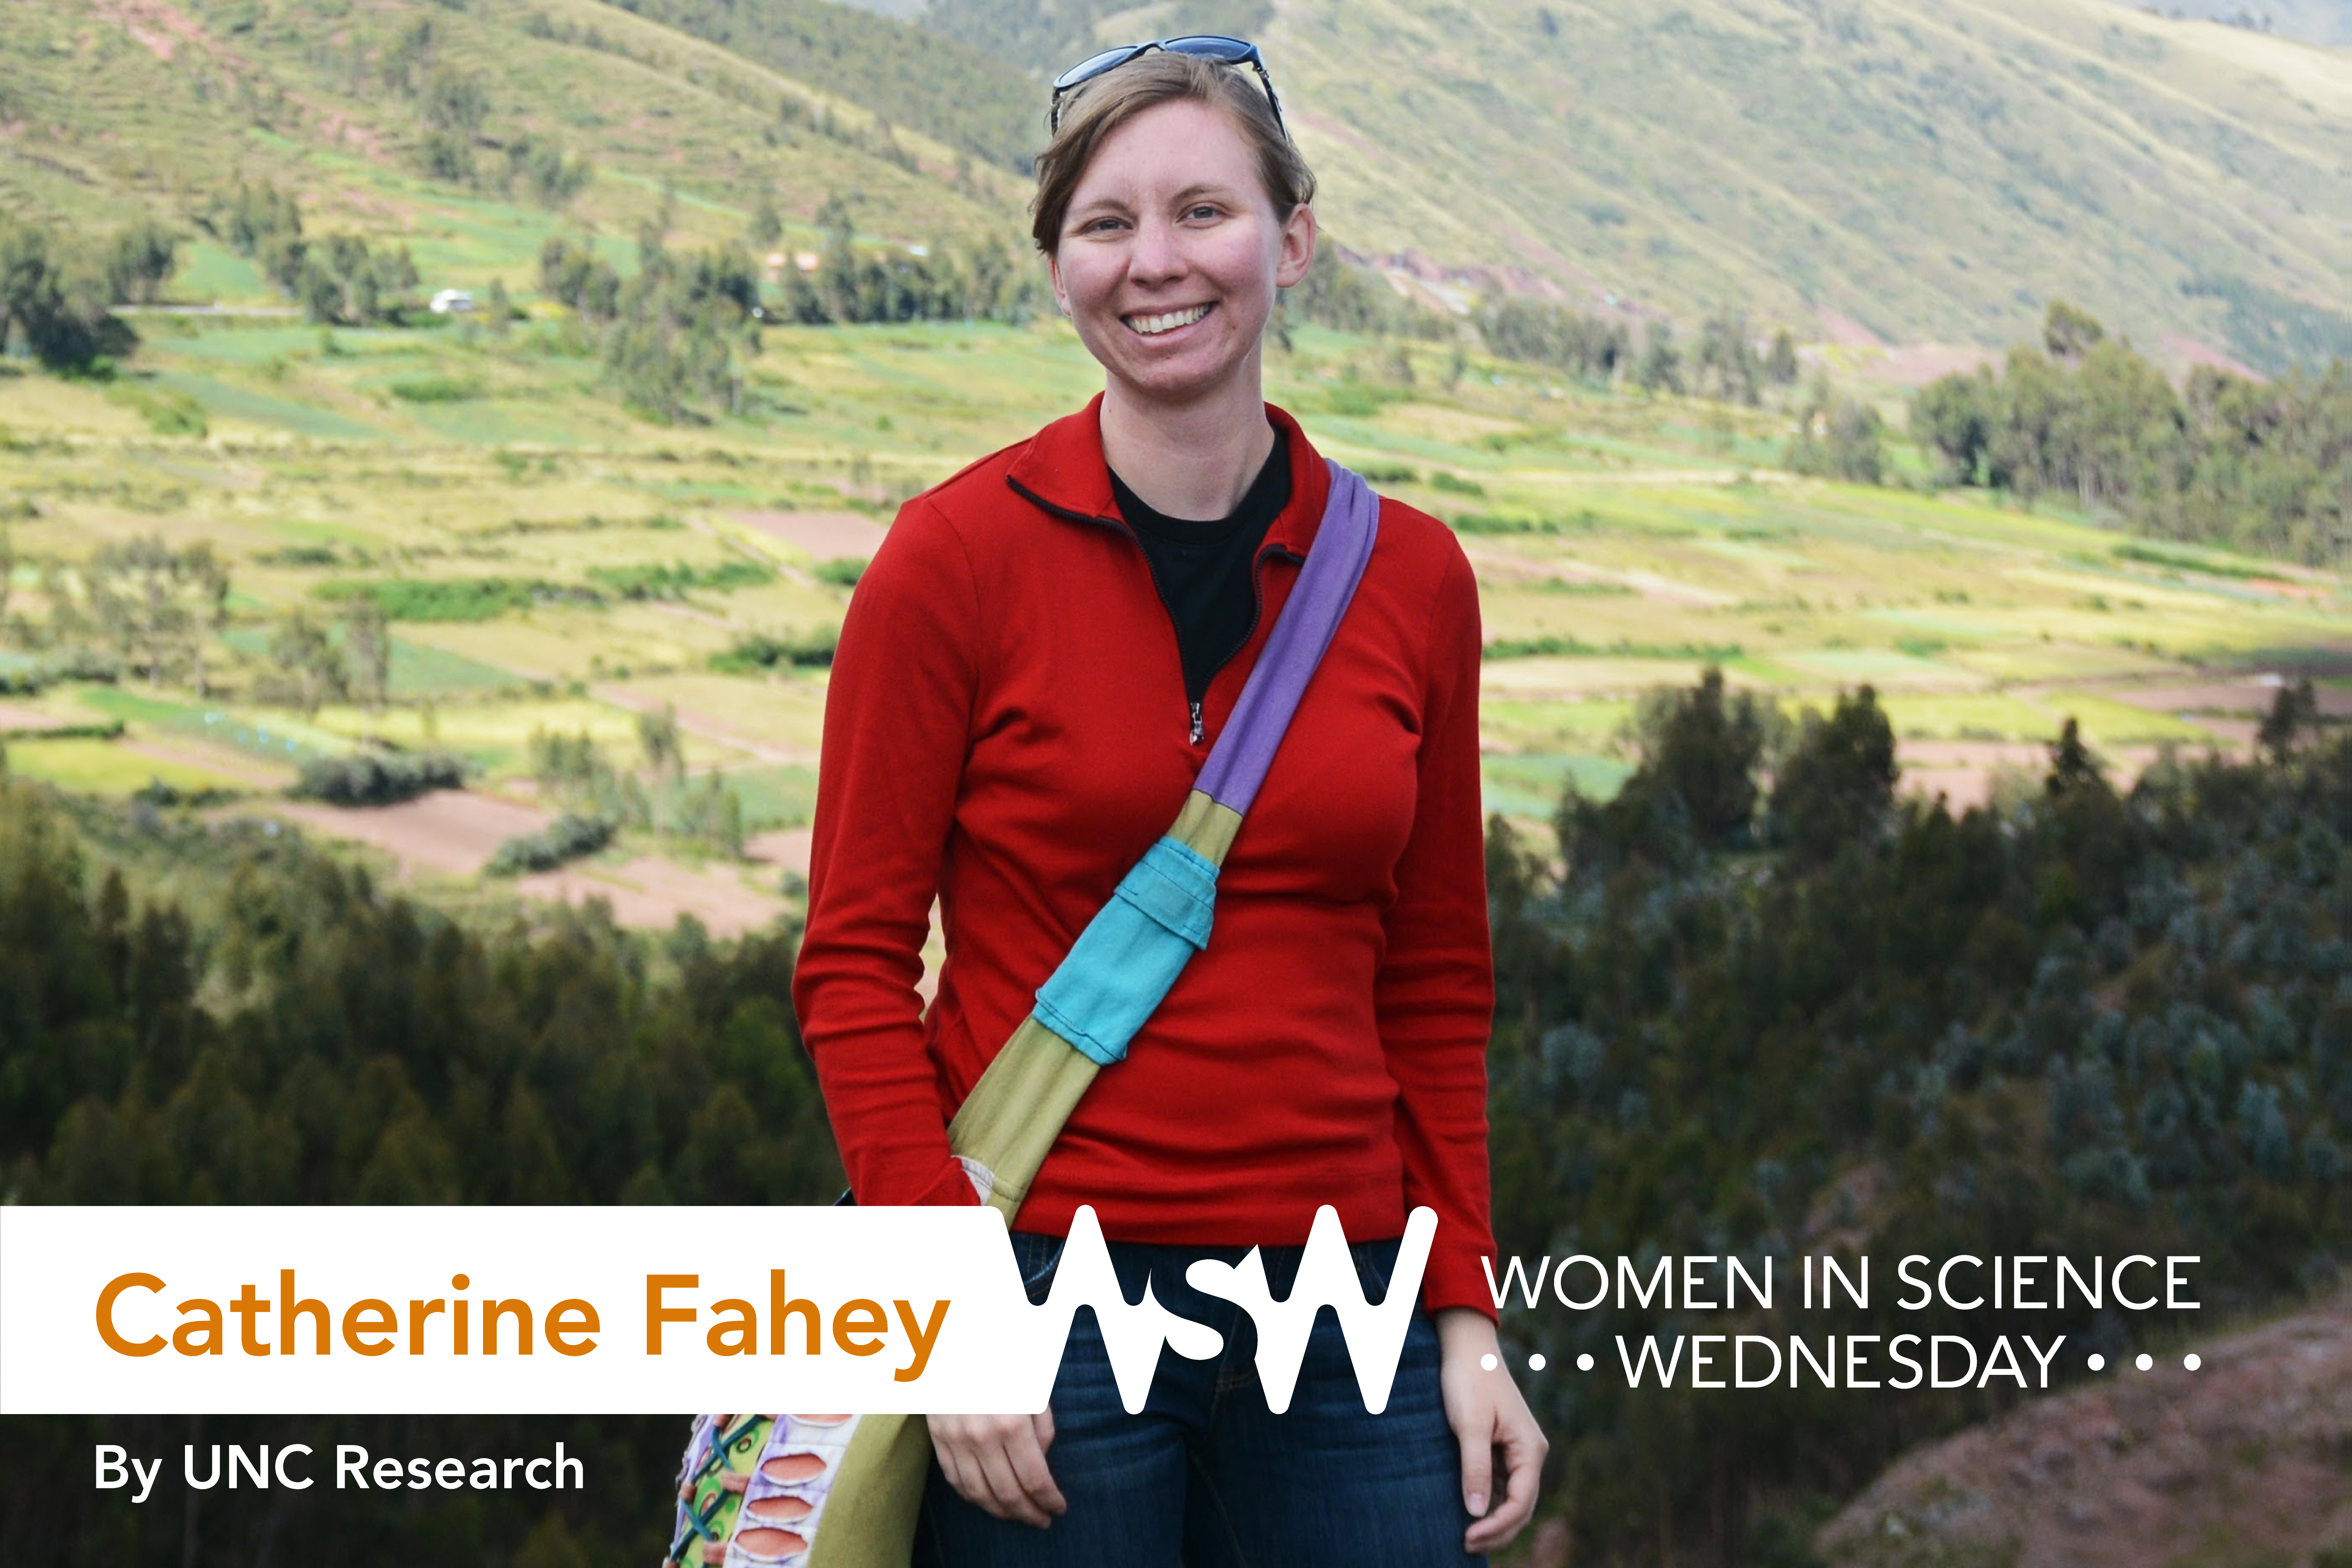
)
(1158, 252)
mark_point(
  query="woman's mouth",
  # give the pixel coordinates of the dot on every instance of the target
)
(1166, 323)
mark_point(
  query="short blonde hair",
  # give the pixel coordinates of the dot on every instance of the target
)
(1120, 94)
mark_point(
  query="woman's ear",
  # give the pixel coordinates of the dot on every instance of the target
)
(1297, 252)
(1061, 295)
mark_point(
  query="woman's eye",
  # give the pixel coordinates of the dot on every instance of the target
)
(1204, 210)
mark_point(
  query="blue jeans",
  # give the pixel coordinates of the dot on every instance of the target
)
(1206, 1476)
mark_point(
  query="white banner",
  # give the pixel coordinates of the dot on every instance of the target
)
(564, 1310)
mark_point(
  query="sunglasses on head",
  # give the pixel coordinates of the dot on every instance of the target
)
(1205, 46)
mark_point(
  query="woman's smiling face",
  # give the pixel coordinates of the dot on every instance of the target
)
(1171, 253)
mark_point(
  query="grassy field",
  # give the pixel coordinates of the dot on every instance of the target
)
(1621, 543)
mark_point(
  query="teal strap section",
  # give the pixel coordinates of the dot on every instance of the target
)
(1132, 950)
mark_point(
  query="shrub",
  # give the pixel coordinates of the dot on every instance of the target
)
(455, 598)
(567, 838)
(750, 655)
(435, 388)
(673, 581)
(379, 778)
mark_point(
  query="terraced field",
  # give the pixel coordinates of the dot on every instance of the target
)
(555, 565)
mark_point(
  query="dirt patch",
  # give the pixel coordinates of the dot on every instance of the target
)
(451, 830)
(2250, 698)
(159, 28)
(455, 832)
(2190, 350)
(28, 720)
(787, 848)
(213, 760)
(1963, 771)
(650, 892)
(827, 535)
(1844, 331)
(2137, 1466)
(1917, 364)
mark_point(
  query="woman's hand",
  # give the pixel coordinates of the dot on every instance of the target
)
(1487, 1413)
(998, 1463)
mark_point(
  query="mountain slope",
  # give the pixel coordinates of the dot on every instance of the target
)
(2312, 21)
(1907, 168)
(2239, 1462)
(124, 108)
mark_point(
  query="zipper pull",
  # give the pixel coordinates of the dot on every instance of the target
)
(1196, 723)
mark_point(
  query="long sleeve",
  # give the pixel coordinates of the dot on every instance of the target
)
(1434, 991)
(898, 720)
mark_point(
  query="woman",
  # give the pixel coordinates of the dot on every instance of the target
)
(1030, 672)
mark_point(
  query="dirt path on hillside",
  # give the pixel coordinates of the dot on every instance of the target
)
(452, 831)
(1649, 585)
(652, 892)
(826, 535)
(2134, 1467)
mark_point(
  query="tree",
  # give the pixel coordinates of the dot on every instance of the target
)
(208, 578)
(1953, 415)
(1703, 749)
(1781, 364)
(2294, 711)
(1837, 785)
(144, 257)
(1660, 369)
(453, 107)
(766, 228)
(306, 654)
(1726, 360)
(1837, 437)
(2073, 770)
(54, 299)
(367, 649)
(156, 603)
(2069, 334)
(658, 738)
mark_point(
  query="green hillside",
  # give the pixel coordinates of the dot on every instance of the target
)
(1886, 169)
(161, 109)
(1895, 167)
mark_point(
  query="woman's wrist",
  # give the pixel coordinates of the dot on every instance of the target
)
(1464, 1329)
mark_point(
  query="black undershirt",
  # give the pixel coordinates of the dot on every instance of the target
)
(1204, 569)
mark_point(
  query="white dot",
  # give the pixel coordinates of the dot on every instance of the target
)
(1584, 1362)
(1536, 1361)
(1489, 1363)
(2192, 1360)
(2144, 1361)
(2098, 1362)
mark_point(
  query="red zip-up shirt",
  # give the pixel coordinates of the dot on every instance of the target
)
(1007, 726)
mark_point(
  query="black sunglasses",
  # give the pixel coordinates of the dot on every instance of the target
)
(1206, 46)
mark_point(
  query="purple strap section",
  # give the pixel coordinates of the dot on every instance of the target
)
(1334, 562)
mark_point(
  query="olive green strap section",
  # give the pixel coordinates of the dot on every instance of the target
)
(1015, 1111)
(1206, 827)
(869, 1516)
(1009, 1120)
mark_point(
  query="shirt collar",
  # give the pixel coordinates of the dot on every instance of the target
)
(1062, 467)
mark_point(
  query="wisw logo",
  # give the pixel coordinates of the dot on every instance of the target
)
(1133, 1332)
